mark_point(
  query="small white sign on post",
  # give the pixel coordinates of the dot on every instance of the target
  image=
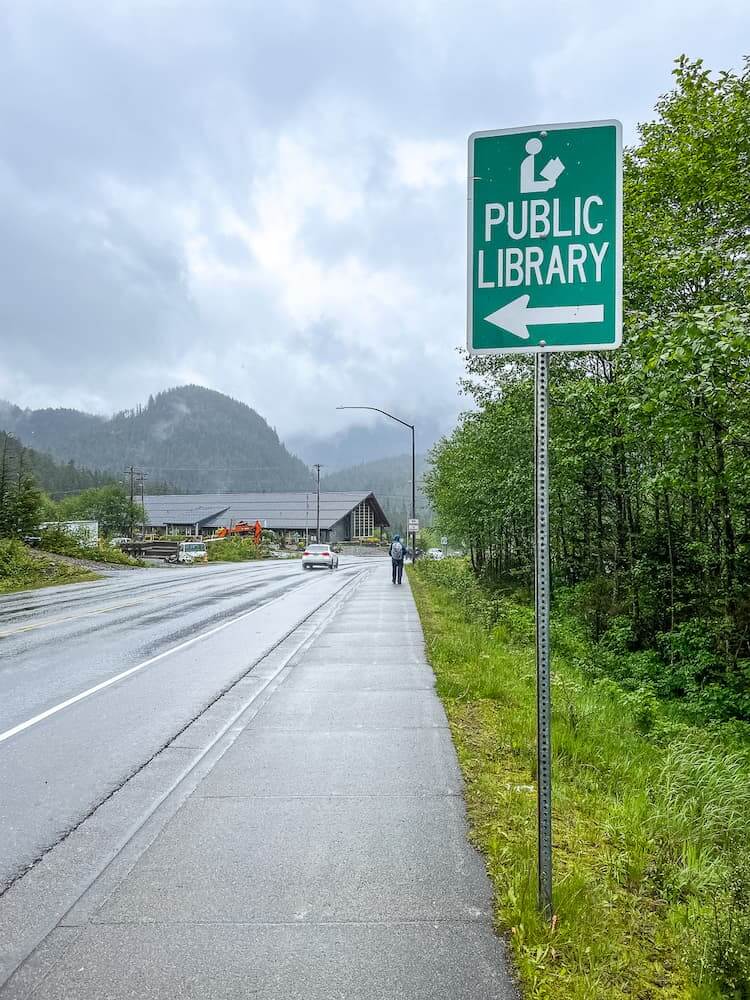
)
(413, 525)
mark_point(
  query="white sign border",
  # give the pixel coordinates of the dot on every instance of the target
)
(557, 349)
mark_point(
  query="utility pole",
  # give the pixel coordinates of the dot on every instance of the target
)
(140, 477)
(131, 471)
(317, 532)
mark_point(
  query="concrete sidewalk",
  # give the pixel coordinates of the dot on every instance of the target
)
(324, 856)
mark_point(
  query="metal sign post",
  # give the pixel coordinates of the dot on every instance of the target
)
(413, 528)
(542, 602)
(545, 274)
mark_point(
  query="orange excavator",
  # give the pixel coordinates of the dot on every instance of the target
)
(242, 530)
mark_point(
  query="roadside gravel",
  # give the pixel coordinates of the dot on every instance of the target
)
(90, 564)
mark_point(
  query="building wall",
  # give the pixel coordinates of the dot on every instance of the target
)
(340, 531)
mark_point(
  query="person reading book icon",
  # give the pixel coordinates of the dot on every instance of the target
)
(550, 172)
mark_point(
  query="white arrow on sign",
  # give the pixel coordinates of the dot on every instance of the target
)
(515, 317)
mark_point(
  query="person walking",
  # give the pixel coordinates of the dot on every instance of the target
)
(397, 552)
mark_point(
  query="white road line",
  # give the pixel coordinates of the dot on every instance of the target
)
(132, 670)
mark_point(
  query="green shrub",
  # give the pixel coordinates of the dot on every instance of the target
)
(644, 708)
(686, 664)
(723, 961)
(22, 570)
(64, 544)
(236, 550)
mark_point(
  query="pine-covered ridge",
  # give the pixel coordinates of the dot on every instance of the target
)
(55, 478)
(195, 438)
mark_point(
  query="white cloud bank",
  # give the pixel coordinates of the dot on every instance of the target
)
(270, 199)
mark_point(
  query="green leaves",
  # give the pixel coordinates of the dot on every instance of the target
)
(109, 505)
(20, 499)
(650, 446)
(687, 191)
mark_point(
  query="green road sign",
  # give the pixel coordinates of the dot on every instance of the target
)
(545, 238)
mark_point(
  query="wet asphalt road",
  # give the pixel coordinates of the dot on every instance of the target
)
(57, 644)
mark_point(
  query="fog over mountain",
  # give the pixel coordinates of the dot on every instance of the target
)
(270, 199)
(196, 438)
(56, 478)
(351, 446)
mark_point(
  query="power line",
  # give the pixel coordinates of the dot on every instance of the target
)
(214, 468)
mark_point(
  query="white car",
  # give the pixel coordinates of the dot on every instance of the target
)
(319, 555)
(435, 554)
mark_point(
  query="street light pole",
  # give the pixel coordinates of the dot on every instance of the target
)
(317, 530)
(413, 465)
(413, 496)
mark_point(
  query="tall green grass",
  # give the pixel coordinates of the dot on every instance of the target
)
(63, 544)
(651, 814)
(22, 570)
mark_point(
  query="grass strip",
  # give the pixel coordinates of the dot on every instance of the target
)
(651, 889)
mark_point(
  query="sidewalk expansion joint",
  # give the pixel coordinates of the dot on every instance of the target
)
(481, 917)
(357, 729)
(294, 797)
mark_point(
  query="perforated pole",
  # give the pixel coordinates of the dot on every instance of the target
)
(542, 601)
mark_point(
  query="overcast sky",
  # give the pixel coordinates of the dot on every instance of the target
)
(268, 198)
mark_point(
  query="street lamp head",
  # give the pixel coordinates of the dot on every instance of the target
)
(377, 409)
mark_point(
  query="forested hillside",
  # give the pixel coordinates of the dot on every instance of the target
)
(51, 476)
(195, 438)
(390, 481)
(650, 445)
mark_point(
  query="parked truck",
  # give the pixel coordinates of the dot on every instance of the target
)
(171, 552)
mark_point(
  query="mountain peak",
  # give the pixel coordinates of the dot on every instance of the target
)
(197, 438)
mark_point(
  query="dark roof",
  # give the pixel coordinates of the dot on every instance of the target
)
(189, 512)
(273, 510)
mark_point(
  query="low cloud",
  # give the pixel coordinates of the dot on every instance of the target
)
(270, 199)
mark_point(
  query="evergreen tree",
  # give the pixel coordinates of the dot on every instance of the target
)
(20, 497)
